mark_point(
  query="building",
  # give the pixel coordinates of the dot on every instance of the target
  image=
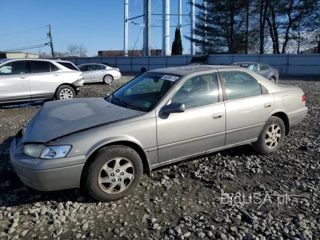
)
(18, 55)
(131, 53)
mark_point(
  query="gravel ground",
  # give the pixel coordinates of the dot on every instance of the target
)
(233, 194)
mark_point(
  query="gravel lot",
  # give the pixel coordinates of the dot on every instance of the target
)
(190, 200)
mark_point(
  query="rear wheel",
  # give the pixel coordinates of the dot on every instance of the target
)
(273, 79)
(271, 136)
(115, 172)
(108, 79)
(65, 92)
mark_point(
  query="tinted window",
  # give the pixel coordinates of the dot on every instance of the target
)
(263, 67)
(17, 67)
(198, 91)
(53, 67)
(84, 68)
(96, 67)
(68, 65)
(40, 67)
(240, 85)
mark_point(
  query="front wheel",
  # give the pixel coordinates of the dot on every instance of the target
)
(65, 92)
(114, 173)
(271, 136)
(108, 79)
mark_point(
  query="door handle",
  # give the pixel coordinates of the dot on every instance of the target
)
(56, 74)
(217, 115)
(267, 105)
(22, 77)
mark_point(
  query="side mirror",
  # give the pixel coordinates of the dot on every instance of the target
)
(173, 108)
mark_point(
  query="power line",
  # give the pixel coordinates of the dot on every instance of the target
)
(29, 30)
(135, 44)
(23, 43)
(29, 47)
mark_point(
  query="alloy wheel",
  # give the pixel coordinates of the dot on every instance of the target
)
(116, 175)
(273, 136)
(66, 93)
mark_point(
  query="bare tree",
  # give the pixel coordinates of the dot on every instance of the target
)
(82, 51)
(73, 49)
(60, 54)
(44, 55)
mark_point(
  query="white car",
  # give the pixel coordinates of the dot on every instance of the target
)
(97, 72)
(23, 80)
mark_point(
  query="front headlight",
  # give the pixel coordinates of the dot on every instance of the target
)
(33, 150)
(46, 152)
(55, 152)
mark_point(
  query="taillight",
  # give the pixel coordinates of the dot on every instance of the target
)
(304, 98)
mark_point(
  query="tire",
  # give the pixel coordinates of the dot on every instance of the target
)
(273, 79)
(65, 92)
(125, 169)
(108, 79)
(271, 137)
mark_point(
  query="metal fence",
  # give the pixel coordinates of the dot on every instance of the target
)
(287, 64)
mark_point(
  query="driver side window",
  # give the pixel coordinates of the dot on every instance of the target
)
(198, 91)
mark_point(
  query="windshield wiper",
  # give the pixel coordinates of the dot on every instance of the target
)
(120, 100)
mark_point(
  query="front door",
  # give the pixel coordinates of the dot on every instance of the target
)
(14, 81)
(200, 128)
(247, 107)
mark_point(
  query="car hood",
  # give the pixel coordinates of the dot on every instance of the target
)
(60, 118)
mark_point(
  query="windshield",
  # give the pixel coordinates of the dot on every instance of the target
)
(3, 60)
(143, 92)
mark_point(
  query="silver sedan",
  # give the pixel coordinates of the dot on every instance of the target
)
(262, 69)
(158, 118)
(96, 72)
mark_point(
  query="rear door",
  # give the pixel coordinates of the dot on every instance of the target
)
(97, 72)
(14, 81)
(247, 106)
(44, 79)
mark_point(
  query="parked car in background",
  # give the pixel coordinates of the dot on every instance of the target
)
(23, 80)
(97, 72)
(262, 69)
(158, 118)
(196, 64)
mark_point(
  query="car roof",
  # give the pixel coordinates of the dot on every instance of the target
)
(31, 59)
(249, 63)
(185, 70)
(83, 64)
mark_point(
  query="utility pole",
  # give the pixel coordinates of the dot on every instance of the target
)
(147, 25)
(51, 43)
(126, 27)
(192, 26)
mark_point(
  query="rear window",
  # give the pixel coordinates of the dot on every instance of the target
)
(40, 67)
(68, 65)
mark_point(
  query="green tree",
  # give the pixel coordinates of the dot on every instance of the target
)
(220, 26)
(177, 43)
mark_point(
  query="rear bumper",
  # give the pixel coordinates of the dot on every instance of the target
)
(46, 175)
(298, 116)
(117, 75)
